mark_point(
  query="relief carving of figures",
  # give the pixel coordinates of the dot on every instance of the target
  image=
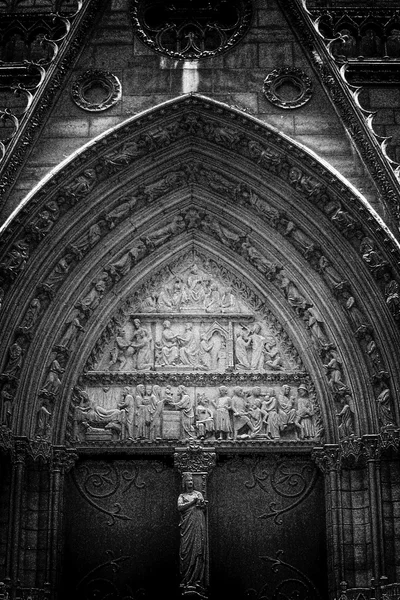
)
(156, 409)
(31, 316)
(261, 263)
(188, 350)
(384, 409)
(204, 418)
(305, 414)
(87, 241)
(120, 212)
(89, 416)
(154, 239)
(155, 413)
(143, 405)
(72, 331)
(341, 218)
(375, 357)
(52, 383)
(82, 184)
(186, 405)
(193, 559)
(222, 416)
(241, 414)
(359, 320)
(317, 328)
(292, 294)
(7, 395)
(274, 416)
(255, 351)
(330, 274)
(392, 295)
(371, 257)
(14, 362)
(45, 220)
(346, 417)
(16, 259)
(303, 241)
(334, 371)
(168, 346)
(127, 406)
(92, 300)
(142, 347)
(121, 267)
(58, 274)
(43, 420)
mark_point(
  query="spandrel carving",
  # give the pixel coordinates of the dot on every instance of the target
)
(166, 412)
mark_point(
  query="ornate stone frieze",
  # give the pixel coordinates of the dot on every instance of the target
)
(116, 159)
(156, 413)
(287, 87)
(188, 31)
(96, 90)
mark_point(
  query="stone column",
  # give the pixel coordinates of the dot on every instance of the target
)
(372, 447)
(61, 462)
(13, 558)
(328, 460)
(197, 461)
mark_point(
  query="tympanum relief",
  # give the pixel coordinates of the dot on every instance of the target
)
(191, 359)
(166, 412)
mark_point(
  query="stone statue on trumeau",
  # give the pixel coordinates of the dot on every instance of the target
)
(193, 559)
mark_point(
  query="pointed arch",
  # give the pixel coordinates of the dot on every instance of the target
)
(195, 173)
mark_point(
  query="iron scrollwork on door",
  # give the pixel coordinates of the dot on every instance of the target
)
(98, 483)
(294, 583)
(191, 29)
(102, 581)
(291, 482)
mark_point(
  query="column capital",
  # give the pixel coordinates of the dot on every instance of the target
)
(194, 458)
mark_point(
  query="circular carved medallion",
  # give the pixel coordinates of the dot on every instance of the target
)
(191, 29)
(288, 87)
(96, 90)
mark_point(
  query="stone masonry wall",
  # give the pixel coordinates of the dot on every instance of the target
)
(235, 77)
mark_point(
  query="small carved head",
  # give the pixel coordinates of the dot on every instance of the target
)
(223, 390)
(187, 482)
(302, 390)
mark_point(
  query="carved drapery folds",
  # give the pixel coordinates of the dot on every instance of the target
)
(220, 329)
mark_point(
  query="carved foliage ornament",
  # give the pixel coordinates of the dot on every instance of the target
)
(287, 87)
(194, 29)
(96, 90)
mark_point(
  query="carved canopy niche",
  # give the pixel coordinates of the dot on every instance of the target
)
(190, 252)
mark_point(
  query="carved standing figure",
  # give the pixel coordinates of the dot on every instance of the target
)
(223, 405)
(193, 534)
(186, 405)
(384, 408)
